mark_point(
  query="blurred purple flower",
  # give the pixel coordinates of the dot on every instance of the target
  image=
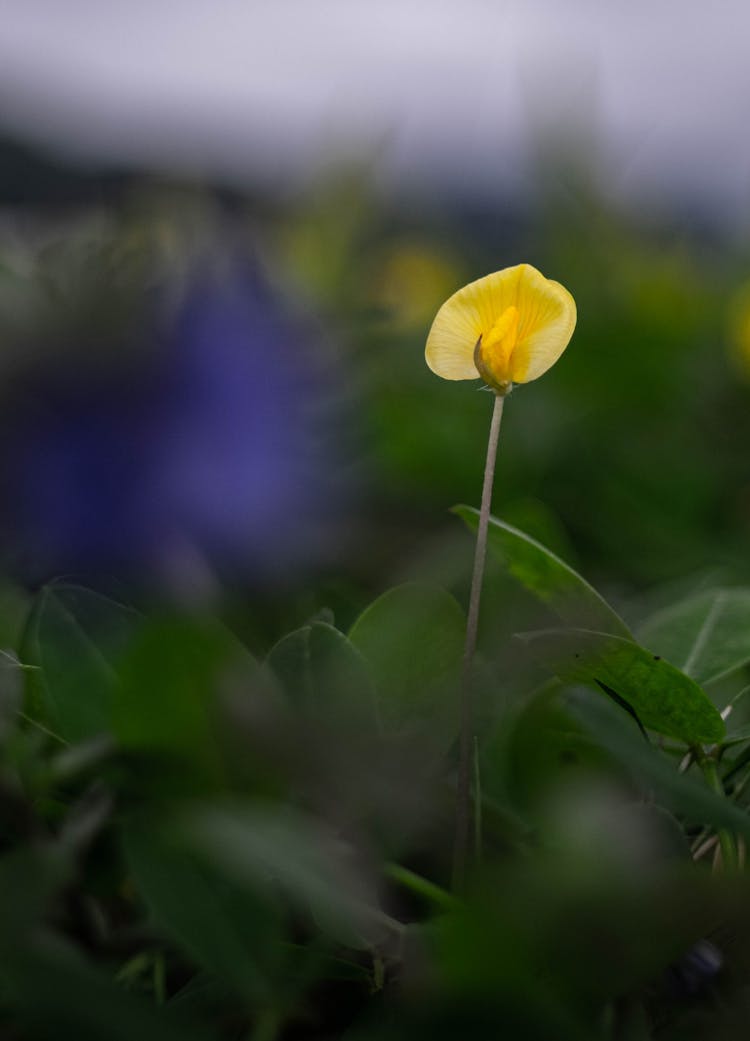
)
(214, 454)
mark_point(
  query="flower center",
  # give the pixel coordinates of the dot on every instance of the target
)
(494, 349)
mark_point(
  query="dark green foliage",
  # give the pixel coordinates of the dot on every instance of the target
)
(234, 821)
(70, 640)
(412, 638)
(550, 579)
(663, 698)
(324, 675)
(707, 635)
(215, 848)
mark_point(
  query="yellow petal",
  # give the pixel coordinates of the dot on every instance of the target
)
(468, 314)
(546, 319)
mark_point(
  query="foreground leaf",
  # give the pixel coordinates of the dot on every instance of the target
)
(680, 792)
(264, 848)
(548, 577)
(230, 931)
(49, 988)
(663, 698)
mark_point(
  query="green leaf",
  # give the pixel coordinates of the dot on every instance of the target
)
(229, 930)
(74, 637)
(682, 793)
(50, 990)
(412, 638)
(264, 847)
(707, 635)
(12, 677)
(738, 729)
(168, 683)
(548, 577)
(31, 880)
(323, 673)
(738, 736)
(664, 699)
(59, 994)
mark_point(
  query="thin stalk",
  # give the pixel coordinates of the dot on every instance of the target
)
(477, 803)
(267, 1025)
(421, 886)
(740, 786)
(160, 978)
(466, 745)
(726, 839)
(705, 847)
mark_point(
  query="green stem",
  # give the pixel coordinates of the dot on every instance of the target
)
(477, 793)
(466, 745)
(422, 887)
(726, 839)
(160, 978)
(267, 1026)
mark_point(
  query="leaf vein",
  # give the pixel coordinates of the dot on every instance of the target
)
(704, 632)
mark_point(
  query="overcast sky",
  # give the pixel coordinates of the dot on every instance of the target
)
(447, 89)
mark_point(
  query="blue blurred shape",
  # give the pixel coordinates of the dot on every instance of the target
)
(210, 455)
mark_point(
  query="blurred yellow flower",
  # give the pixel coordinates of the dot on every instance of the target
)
(508, 327)
(739, 328)
(411, 280)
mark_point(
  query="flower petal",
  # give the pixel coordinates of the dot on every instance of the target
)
(548, 318)
(464, 317)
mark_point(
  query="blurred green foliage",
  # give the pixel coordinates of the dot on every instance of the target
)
(232, 818)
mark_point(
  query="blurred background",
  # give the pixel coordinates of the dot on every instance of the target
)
(225, 230)
(224, 233)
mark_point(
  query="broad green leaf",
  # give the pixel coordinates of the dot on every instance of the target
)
(663, 698)
(738, 728)
(48, 984)
(682, 793)
(738, 736)
(264, 847)
(548, 577)
(707, 635)
(323, 673)
(32, 877)
(412, 638)
(12, 676)
(227, 929)
(61, 994)
(168, 683)
(73, 638)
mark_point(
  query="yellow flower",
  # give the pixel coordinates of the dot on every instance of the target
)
(508, 327)
(739, 328)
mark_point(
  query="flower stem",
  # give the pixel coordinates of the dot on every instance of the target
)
(466, 745)
(726, 839)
